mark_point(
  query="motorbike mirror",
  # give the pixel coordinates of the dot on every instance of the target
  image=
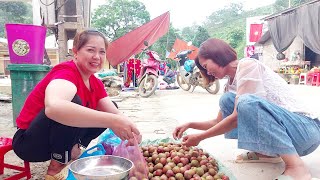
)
(145, 43)
(189, 43)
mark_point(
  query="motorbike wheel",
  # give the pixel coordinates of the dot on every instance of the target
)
(148, 86)
(184, 85)
(214, 87)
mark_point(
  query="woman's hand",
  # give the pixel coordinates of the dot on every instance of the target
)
(125, 129)
(177, 133)
(136, 140)
(191, 140)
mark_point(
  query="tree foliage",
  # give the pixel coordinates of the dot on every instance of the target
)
(165, 43)
(200, 36)
(224, 16)
(196, 34)
(228, 23)
(280, 5)
(14, 12)
(118, 17)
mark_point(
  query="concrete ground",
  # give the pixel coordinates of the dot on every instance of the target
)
(173, 107)
(157, 116)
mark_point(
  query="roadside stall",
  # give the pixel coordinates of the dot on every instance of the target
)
(122, 49)
(291, 46)
(132, 69)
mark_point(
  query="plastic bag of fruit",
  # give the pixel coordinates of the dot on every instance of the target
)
(132, 151)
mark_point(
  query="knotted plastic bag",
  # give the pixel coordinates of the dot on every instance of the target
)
(131, 151)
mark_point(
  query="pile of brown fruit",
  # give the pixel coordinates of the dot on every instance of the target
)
(168, 161)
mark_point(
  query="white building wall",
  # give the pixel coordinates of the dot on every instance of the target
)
(269, 53)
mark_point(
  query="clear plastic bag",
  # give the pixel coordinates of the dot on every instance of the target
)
(132, 152)
(109, 137)
(109, 141)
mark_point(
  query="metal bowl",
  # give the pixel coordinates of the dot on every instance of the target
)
(105, 167)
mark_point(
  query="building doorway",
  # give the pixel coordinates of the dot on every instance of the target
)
(311, 56)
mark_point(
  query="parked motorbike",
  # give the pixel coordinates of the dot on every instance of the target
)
(148, 79)
(189, 75)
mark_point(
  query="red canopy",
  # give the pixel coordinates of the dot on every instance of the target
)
(131, 43)
(180, 45)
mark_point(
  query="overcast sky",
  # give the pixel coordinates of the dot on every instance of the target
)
(186, 12)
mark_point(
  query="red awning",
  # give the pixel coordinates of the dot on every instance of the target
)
(131, 43)
(180, 45)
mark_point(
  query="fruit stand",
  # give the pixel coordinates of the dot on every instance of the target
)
(290, 70)
(160, 159)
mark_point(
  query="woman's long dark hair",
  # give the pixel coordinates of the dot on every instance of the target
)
(208, 79)
(217, 51)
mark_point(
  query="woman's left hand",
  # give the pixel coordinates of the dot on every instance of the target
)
(191, 140)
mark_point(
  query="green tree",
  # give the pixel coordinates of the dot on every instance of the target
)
(201, 35)
(235, 37)
(229, 24)
(118, 17)
(14, 12)
(165, 43)
(189, 33)
(196, 34)
(224, 16)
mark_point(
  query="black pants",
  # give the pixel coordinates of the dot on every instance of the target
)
(47, 139)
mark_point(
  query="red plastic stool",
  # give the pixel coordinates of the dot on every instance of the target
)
(316, 79)
(6, 146)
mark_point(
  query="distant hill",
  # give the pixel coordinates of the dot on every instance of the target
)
(233, 26)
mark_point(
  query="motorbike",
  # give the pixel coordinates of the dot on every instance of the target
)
(189, 75)
(148, 79)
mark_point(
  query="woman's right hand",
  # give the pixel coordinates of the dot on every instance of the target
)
(177, 133)
(124, 128)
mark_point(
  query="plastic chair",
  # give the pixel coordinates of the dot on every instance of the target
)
(6, 146)
(309, 78)
(303, 78)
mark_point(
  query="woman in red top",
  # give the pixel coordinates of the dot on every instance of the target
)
(69, 108)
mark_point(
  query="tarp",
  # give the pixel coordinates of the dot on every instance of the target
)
(180, 45)
(131, 43)
(302, 21)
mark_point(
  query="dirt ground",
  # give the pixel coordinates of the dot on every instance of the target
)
(150, 115)
(158, 115)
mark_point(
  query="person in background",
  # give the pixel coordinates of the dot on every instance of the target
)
(169, 76)
(259, 109)
(68, 108)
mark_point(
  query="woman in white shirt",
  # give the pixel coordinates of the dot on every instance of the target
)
(258, 109)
